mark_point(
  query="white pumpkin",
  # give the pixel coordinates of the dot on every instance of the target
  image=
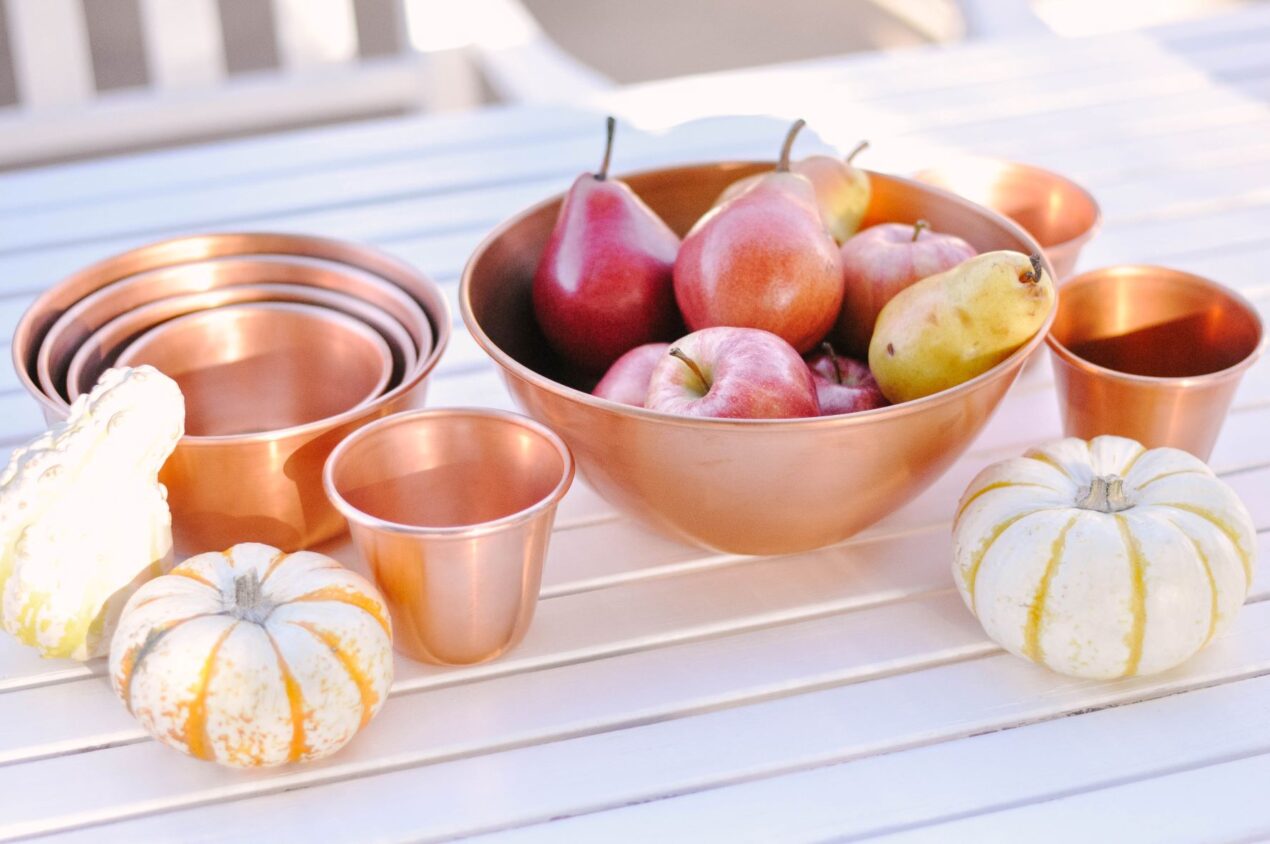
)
(1102, 558)
(253, 657)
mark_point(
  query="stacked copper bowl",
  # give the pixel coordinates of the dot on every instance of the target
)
(282, 344)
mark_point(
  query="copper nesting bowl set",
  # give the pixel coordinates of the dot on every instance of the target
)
(282, 345)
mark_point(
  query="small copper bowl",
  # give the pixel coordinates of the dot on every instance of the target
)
(451, 512)
(1061, 215)
(31, 329)
(100, 350)
(1151, 353)
(264, 487)
(77, 323)
(742, 486)
(265, 366)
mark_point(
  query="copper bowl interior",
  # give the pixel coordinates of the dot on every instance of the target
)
(742, 486)
(101, 348)
(266, 366)
(1155, 322)
(288, 278)
(449, 470)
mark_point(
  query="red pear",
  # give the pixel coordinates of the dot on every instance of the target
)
(604, 284)
(763, 259)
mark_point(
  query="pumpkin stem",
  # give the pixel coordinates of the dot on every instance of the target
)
(1105, 494)
(249, 597)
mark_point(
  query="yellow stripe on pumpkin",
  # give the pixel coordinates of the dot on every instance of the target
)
(196, 740)
(295, 699)
(984, 547)
(1137, 597)
(1220, 524)
(1036, 611)
(989, 488)
(364, 687)
(353, 598)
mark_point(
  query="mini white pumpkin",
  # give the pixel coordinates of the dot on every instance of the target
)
(253, 657)
(1102, 558)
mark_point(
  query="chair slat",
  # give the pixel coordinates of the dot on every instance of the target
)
(50, 52)
(315, 32)
(184, 42)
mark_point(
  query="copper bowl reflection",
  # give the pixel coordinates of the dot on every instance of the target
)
(268, 486)
(264, 366)
(73, 328)
(100, 350)
(1061, 215)
(741, 486)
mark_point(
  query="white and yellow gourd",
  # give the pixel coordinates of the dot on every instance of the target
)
(254, 657)
(1102, 558)
(83, 517)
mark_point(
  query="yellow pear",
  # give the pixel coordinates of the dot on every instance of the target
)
(950, 327)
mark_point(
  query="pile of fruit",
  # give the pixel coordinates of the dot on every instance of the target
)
(777, 269)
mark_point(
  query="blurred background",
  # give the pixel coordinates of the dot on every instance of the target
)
(84, 77)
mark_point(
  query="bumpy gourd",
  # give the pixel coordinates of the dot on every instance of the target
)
(1102, 558)
(254, 657)
(83, 518)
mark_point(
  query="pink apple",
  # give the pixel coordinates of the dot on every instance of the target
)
(737, 373)
(881, 261)
(627, 379)
(843, 385)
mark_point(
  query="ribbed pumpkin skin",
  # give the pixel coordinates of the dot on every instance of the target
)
(250, 683)
(1102, 594)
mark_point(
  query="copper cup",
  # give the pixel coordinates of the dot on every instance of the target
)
(451, 511)
(100, 349)
(1059, 213)
(1151, 353)
(265, 366)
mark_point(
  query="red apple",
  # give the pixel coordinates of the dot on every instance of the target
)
(627, 379)
(843, 385)
(881, 261)
(737, 373)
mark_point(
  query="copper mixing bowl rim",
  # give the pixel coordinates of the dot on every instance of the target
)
(361, 518)
(1235, 370)
(437, 312)
(541, 381)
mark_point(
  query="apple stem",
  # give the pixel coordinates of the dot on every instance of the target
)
(782, 165)
(1033, 276)
(610, 127)
(918, 227)
(859, 148)
(676, 352)
(833, 360)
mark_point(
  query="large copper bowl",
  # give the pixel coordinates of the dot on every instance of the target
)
(740, 486)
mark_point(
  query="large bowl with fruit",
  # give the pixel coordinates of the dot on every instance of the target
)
(692, 461)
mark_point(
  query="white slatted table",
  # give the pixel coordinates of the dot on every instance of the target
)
(669, 693)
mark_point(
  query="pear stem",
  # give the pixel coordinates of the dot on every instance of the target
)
(676, 352)
(833, 360)
(610, 127)
(918, 228)
(859, 148)
(1105, 494)
(782, 164)
(1033, 276)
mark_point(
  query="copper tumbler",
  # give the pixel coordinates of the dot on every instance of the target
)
(451, 511)
(1151, 353)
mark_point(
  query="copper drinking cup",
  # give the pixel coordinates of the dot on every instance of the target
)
(1151, 353)
(263, 487)
(100, 350)
(751, 486)
(451, 511)
(1059, 213)
(265, 366)
(308, 276)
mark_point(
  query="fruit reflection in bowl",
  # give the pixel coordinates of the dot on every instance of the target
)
(753, 486)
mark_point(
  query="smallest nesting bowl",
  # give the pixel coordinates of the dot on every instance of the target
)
(451, 511)
(1061, 215)
(265, 366)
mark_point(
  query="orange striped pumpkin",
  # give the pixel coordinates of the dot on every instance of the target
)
(254, 657)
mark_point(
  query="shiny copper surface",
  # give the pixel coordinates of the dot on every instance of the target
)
(263, 487)
(451, 512)
(99, 350)
(264, 366)
(359, 288)
(747, 486)
(1151, 353)
(1061, 215)
(34, 324)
